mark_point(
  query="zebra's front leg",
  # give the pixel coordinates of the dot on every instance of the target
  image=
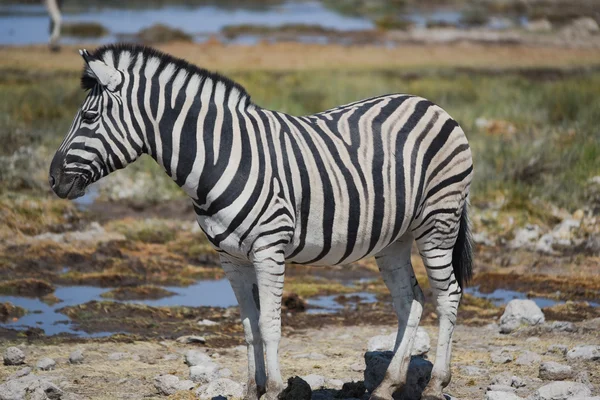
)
(244, 284)
(270, 268)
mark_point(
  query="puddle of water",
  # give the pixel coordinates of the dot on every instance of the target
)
(500, 297)
(41, 315)
(330, 304)
(28, 24)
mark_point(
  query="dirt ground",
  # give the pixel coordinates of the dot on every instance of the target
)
(132, 377)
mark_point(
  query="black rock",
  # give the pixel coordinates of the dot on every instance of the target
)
(297, 389)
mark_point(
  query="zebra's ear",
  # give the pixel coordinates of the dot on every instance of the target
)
(106, 75)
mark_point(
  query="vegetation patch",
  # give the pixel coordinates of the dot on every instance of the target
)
(83, 29)
(571, 311)
(144, 292)
(159, 33)
(26, 287)
(9, 312)
(145, 231)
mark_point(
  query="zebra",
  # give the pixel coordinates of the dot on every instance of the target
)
(53, 7)
(365, 179)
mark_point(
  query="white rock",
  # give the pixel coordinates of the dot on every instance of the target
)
(207, 322)
(520, 312)
(528, 358)
(553, 371)
(501, 356)
(170, 384)
(195, 357)
(544, 245)
(225, 373)
(315, 382)
(220, 387)
(507, 379)
(563, 326)
(20, 373)
(492, 395)
(14, 356)
(421, 344)
(191, 339)
(558, 348)
(29, 387)
(334, 384)
(525, 237)
(501, 388)
(46, 364)
(584, 352)
(76, 357)
(561, 391)
(204, 373)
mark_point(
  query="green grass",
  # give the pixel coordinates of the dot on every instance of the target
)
(553, 152)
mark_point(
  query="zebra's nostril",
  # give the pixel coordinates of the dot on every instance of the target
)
(51, 180)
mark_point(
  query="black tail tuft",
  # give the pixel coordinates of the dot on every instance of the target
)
(462, 254)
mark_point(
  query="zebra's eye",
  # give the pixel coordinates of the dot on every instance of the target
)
(89, 116)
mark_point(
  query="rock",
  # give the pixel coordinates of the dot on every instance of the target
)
(207, 322)
(562, 326)
(117, 356)
(171, 357)
(14, 356)
(225, 373)
(315, 382)
(581, 27)
(561, 391)
(553, 371)
(204, 373)
(525, 237)
(76, 357)
(336, 384)
(421, 345)
(191, 339)
(585, 352)
(297, 389)
(170, 384)
(493, 395)
(46, 364)
(220, 387)
(419, 372)
(195, 357)
(22, 372)
(539, 26)
(506, 379)
(558, 348)
(30, 387)
(544, 245)
(357, 367)
(501, 356)
(528, 358)
(352, 390)
(471, 370)
(520, 312)
(583, 377)
(501, 388)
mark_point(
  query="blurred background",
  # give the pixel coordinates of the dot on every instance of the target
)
(522, 77)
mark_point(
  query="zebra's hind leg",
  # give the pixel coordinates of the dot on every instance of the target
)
(244, 284)
(437, 256)
(397, 272)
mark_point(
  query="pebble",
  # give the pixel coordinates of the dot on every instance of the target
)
(170, 384)
(220, 387)
(204, 373)
(553, 371)
(207, 322)
(584, 352)
(46, 364)
(561, 391)
(528, 358)
(14, 356)
(501, 356)
(520, 312)
(76, 357)
(195, 357)
(315, 382)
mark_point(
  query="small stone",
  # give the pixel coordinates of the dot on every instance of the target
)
(506, 379)
(315, 382)
(170, 384)
(336, 384)
(525, 237)
(207, 322)
(191, 339)
(553, 371)
(492, 395)
(471, 370)
(117, 356)
(520, 312)
(195, 357)
(220, 387)
(225, 373)
(558, 348)
(76, 357)
(204, 373)
(562, 326)
(422, 343)
(46, 364)
(501, 357)
(561, 391)
(357, 367)
(14, 356)
(584, 352)
(22, 372)
(501, 388)
(528, 358)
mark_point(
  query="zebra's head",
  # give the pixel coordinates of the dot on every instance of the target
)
(98, 141)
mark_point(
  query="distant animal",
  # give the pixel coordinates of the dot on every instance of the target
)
(367, 178)
(53, 7)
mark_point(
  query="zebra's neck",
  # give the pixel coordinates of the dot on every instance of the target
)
(198, 127)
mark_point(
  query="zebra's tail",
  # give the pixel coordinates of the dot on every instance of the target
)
(462, 254)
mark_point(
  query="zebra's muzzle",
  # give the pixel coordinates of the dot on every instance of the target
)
(68, 187)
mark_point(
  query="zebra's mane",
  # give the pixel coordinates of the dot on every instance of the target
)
(135, 51)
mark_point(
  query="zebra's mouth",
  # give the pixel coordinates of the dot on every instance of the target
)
(72, 188)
